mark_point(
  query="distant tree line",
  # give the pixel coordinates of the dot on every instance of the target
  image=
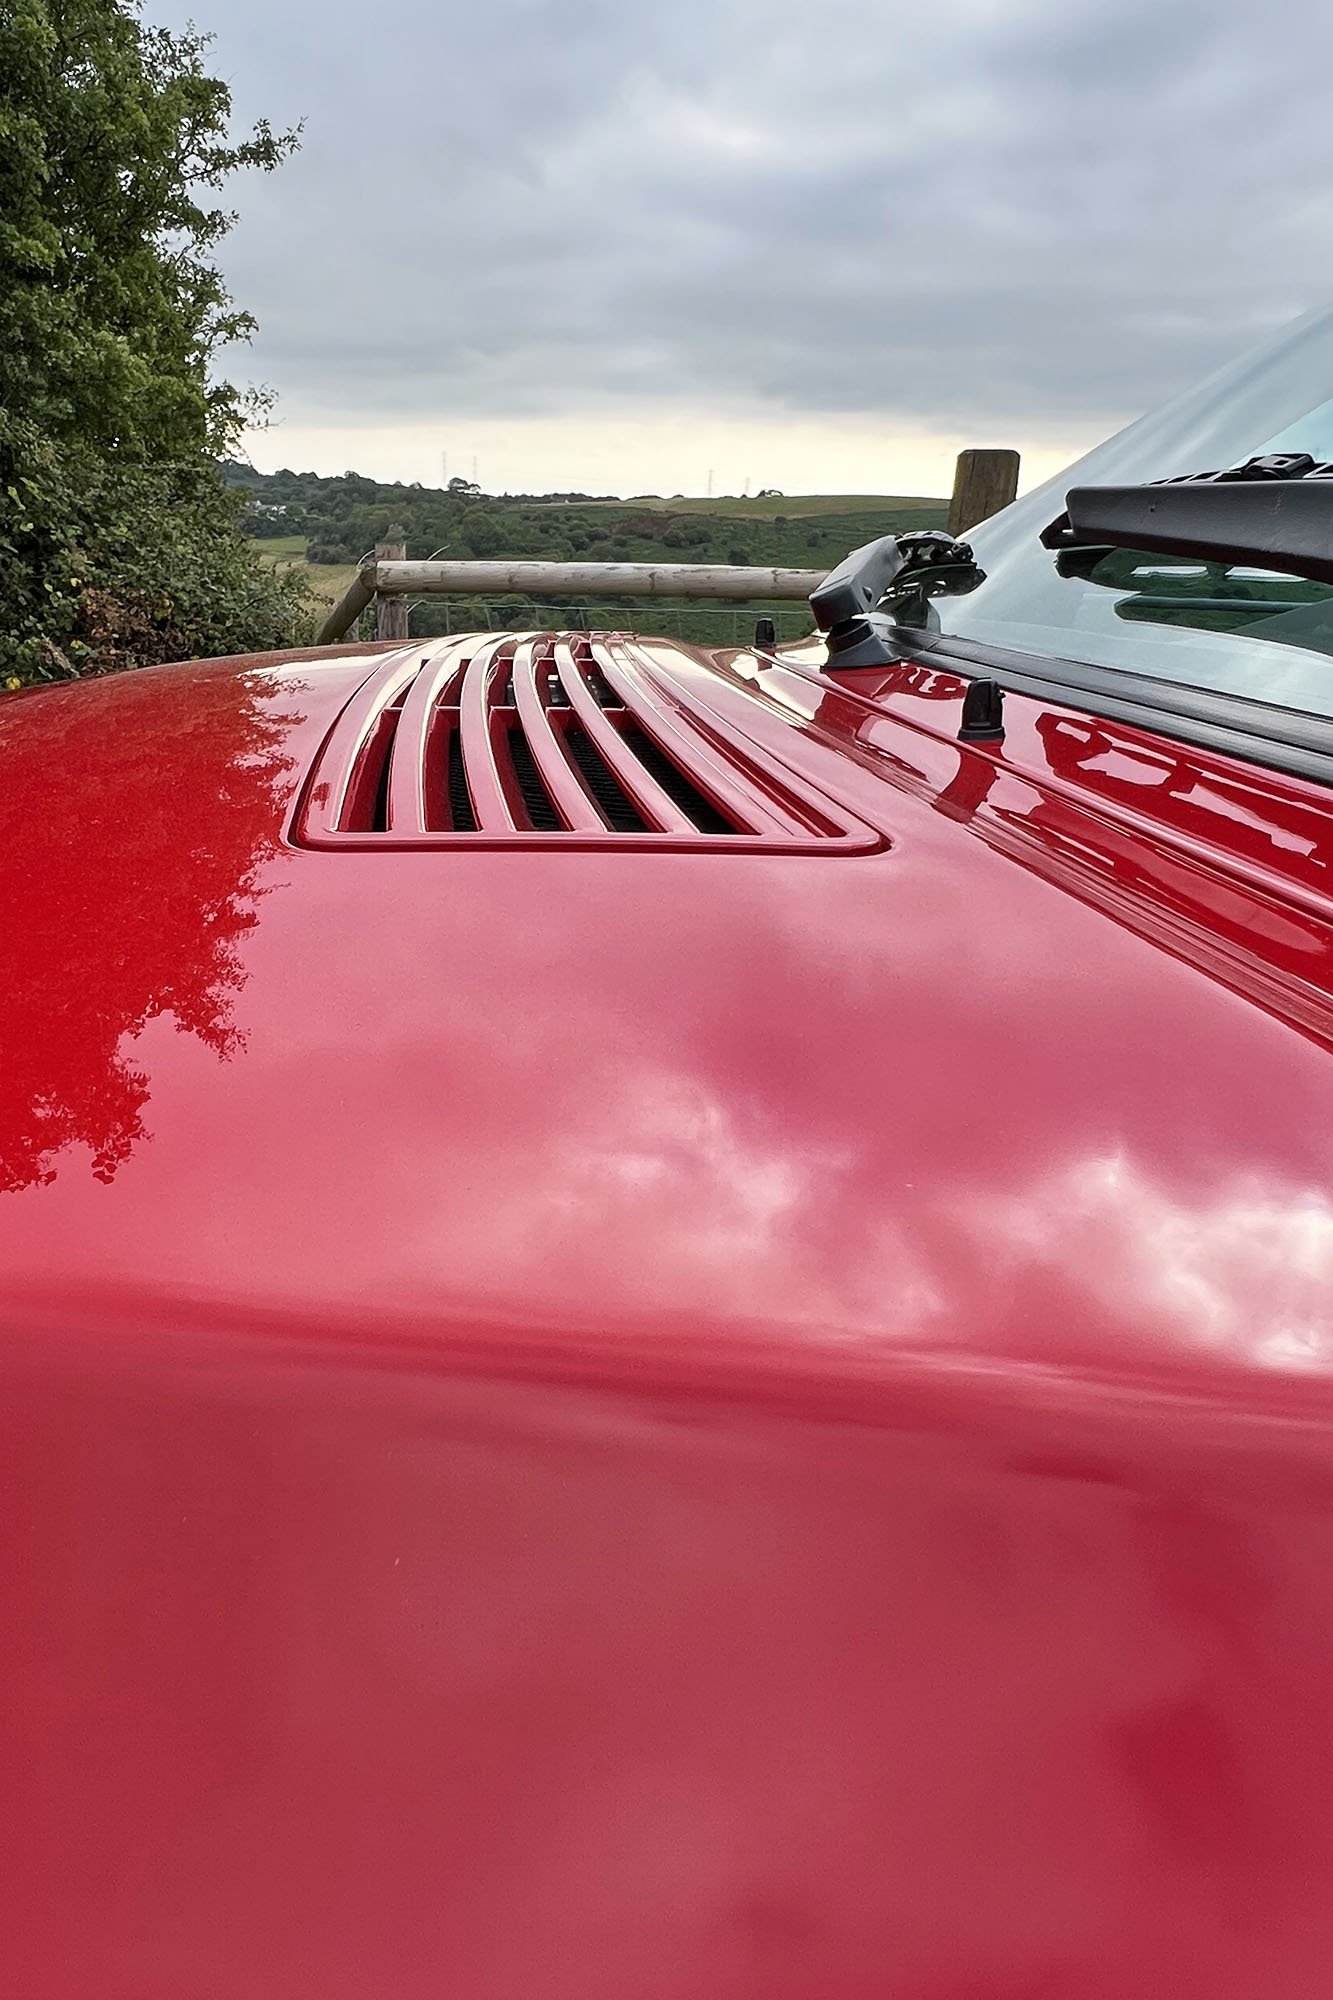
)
(341, 519)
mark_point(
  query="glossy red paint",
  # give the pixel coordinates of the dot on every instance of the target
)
(383, 779)
(586, 1423)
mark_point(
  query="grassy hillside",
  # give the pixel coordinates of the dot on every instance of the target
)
(326, 525)
(327, 581)
(801, 507)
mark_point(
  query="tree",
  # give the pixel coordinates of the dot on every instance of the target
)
(114, 519)
(120, 942)
(481, 533)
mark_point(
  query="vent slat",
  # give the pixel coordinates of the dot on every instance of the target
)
(703, 769)
(703, 813)
(615, 803)
(362, 733)
(537, 800)
(540, 740)
(572, 804)
(658, 809)
(490, 798)
(416, 802)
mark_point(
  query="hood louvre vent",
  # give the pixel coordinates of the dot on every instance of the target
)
(618, 808)
(551, 741)
(461, 816)
(537, 801)
(675, 784)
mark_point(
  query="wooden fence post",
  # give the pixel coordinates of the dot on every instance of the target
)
(392, 612)
(985, 482)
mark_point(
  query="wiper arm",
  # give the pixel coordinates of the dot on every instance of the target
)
(927, 563)
(1275, 512)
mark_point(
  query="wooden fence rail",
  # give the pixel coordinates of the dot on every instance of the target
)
(986, 481)
(548, 579)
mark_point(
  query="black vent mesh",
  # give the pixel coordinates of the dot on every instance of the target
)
(461, 816)
(539, 803)
(621, 813)
(675, 784)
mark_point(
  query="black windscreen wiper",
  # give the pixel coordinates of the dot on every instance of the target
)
(1275, 512)
(926, 563)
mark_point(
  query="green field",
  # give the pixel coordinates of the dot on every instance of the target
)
(327, 581)
(340, 518)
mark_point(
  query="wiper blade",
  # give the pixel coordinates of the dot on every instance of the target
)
(1275, 512)
(1271, 465)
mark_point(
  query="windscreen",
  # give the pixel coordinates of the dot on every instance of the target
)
(1212, 625)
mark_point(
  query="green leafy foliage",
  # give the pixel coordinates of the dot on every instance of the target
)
(339, 520)
(119, 542)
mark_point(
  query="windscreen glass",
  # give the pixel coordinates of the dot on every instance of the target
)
(1248, 631)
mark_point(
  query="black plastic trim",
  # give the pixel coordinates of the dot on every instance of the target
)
(1255, 732)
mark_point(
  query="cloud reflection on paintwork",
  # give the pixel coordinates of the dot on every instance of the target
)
(859, 1103)
(1247, 1273)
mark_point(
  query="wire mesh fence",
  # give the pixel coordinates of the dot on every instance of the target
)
(697, 624)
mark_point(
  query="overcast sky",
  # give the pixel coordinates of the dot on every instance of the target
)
(817, 244)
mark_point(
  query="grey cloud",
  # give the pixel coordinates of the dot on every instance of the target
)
(1029, 212)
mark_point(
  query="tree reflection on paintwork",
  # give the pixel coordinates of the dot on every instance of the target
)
(1211, 801)
(1187, 894)
(121, 939)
